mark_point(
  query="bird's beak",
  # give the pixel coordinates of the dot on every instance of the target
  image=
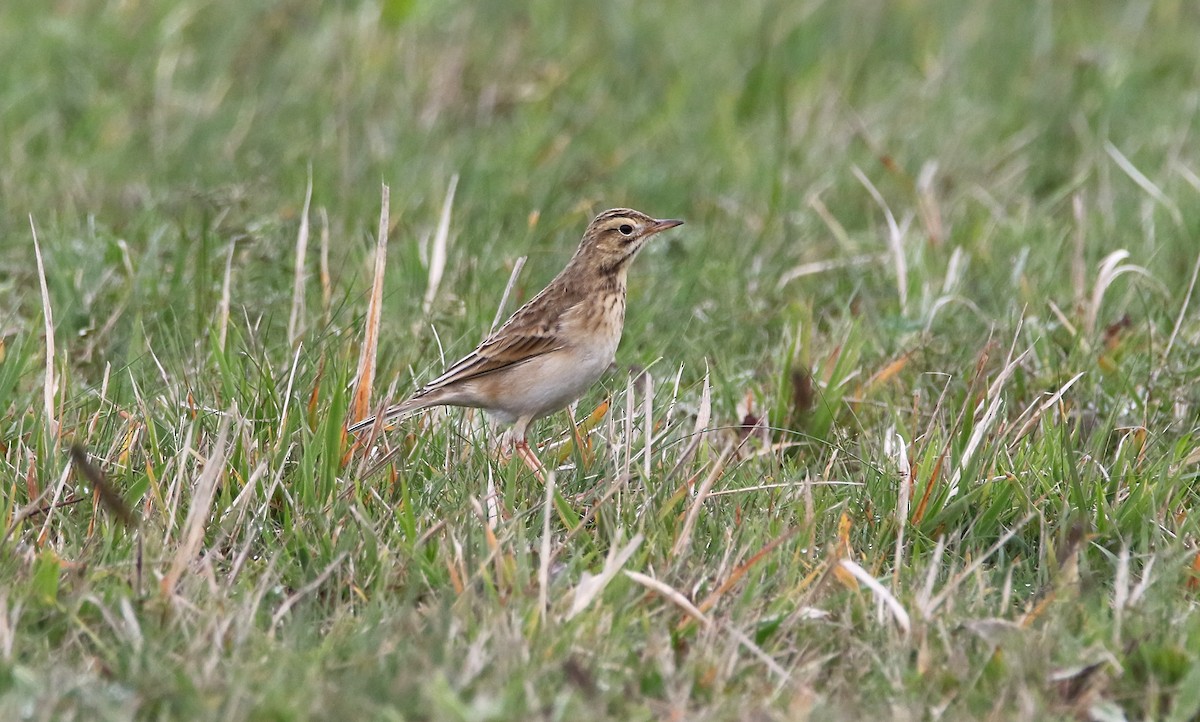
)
(663, 225)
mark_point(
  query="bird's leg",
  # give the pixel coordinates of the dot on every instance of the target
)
(521, 447)
(514, 443)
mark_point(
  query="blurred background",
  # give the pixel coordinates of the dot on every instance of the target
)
(147, 135)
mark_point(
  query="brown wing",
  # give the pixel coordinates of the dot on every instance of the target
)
(530, 332)
(533, 330)
(500, 351)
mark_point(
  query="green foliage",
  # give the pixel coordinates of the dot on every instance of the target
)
(954, 238)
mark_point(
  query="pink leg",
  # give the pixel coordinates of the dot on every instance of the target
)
(521, 447)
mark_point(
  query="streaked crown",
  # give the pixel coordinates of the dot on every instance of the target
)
(615, 236)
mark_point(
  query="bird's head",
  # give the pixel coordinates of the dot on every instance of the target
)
(615, 236)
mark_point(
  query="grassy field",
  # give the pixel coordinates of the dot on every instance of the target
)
(904, 422)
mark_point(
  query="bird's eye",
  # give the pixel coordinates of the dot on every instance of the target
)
(626, 229)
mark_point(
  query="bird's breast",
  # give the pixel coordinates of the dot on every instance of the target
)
(590, 334)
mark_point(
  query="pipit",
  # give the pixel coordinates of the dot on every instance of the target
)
(556, 345)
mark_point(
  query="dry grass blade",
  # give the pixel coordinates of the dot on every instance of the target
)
(647, 421)
(512, 281)
(360, 405)
(895, 239)
(198, 512)
(109, 497)
(590, 585)
(296, 318)
(899, 452)
(739, 572)
(680, 600)
(677, 598)
(287, 398)
(836, 264)
(223, 305)
(989, 417)
(836, 229)
(927, 203)
(1036, 410)
(1109, 270)
(50, 387)
(881, 593)
(703, 416)
(1078, 267)
(326, 282)
(929, 607)
(437, 258)
(1143, 182)
(1187, 300)
(305, 590)
(544, 561)
(685, 535)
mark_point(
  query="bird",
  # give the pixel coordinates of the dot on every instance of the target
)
(553, 348)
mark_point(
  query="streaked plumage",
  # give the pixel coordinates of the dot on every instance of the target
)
(555, 346)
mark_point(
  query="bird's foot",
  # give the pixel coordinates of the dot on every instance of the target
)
(526, 454)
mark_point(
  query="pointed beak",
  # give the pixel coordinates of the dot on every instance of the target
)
(659, 226)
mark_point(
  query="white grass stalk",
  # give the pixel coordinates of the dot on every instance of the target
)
(1036, 410)
(1109, 270)
(1187, 300)
(233, 518)
(882, 595)
(53, 505)
(989, 417)
(627, 441)
(927, 205)
(50, 385)
(199, 510)
(647, 420)
(287, 398)
(437, 257)
(680, 600)
(895, 239)
(512, 282)
(817, 267)
(544, 561)
(260, 515)
(1186, 173)
(1143, 182)
(1139, 591)
(899, 454)
(689, 524)
(305, 590)
(703, 416)
(9, 621)
(925, 597)
(297, 316)
(675, 596)
(492, 516)
(104, 404)
(590, 586)
(929, 607)
(704, 411)
(836, 229)
(1120, 592)
(223, 304)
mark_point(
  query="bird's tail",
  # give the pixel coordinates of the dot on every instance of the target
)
(391, 413)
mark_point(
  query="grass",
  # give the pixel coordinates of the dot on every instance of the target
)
(903, 422)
